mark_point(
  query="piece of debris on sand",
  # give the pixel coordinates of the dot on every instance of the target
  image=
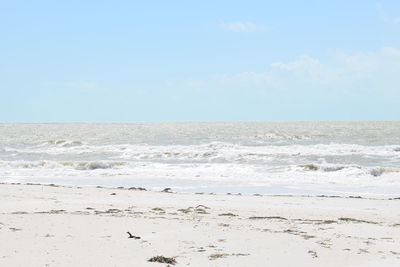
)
(218, 255)
(167, 190)
(162, 259)
(132, 236)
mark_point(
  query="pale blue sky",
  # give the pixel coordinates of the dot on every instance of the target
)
(199, 60)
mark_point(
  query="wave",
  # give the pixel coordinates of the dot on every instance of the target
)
(77, 165)
(92, 165)
(128, 166)
(202, 175)
(374, 171)
(344, 156)
(326, 168)
(64, 143)
(209, 149)
(381, 170)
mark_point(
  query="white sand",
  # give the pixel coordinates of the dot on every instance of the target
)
(64, 226)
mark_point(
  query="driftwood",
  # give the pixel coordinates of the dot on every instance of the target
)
(132, 236)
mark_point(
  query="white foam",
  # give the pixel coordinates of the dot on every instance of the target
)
(205, 154)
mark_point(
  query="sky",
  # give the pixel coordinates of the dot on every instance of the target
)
(199, 60)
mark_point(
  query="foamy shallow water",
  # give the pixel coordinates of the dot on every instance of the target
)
(249, 157)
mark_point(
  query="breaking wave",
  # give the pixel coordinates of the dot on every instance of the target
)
(77, 165)
(374, 171)
(361, 154)
(212, 152)
(325, 168)
(64, 143)
(382, 170)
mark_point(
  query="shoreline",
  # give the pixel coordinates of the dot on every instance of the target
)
(310, 190)
(195, 192)
(49, 225)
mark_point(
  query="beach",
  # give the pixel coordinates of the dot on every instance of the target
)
(200, 194)
(52, 225)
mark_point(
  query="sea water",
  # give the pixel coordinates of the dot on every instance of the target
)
(247, 157)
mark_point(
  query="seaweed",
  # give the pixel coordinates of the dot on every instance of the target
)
(162, 259)
(311, 167)
(158, 209)
(313, 254)
(218, 255)
(346, 219)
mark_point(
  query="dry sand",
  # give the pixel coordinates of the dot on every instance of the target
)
(72, 226)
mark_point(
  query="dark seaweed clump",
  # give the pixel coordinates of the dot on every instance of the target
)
(162, 259)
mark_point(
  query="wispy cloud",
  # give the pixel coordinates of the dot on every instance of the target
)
(241, 26)
(354, 75)
(384, 16)
(347, 73)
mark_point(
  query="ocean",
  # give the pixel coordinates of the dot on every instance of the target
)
(333, 158)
